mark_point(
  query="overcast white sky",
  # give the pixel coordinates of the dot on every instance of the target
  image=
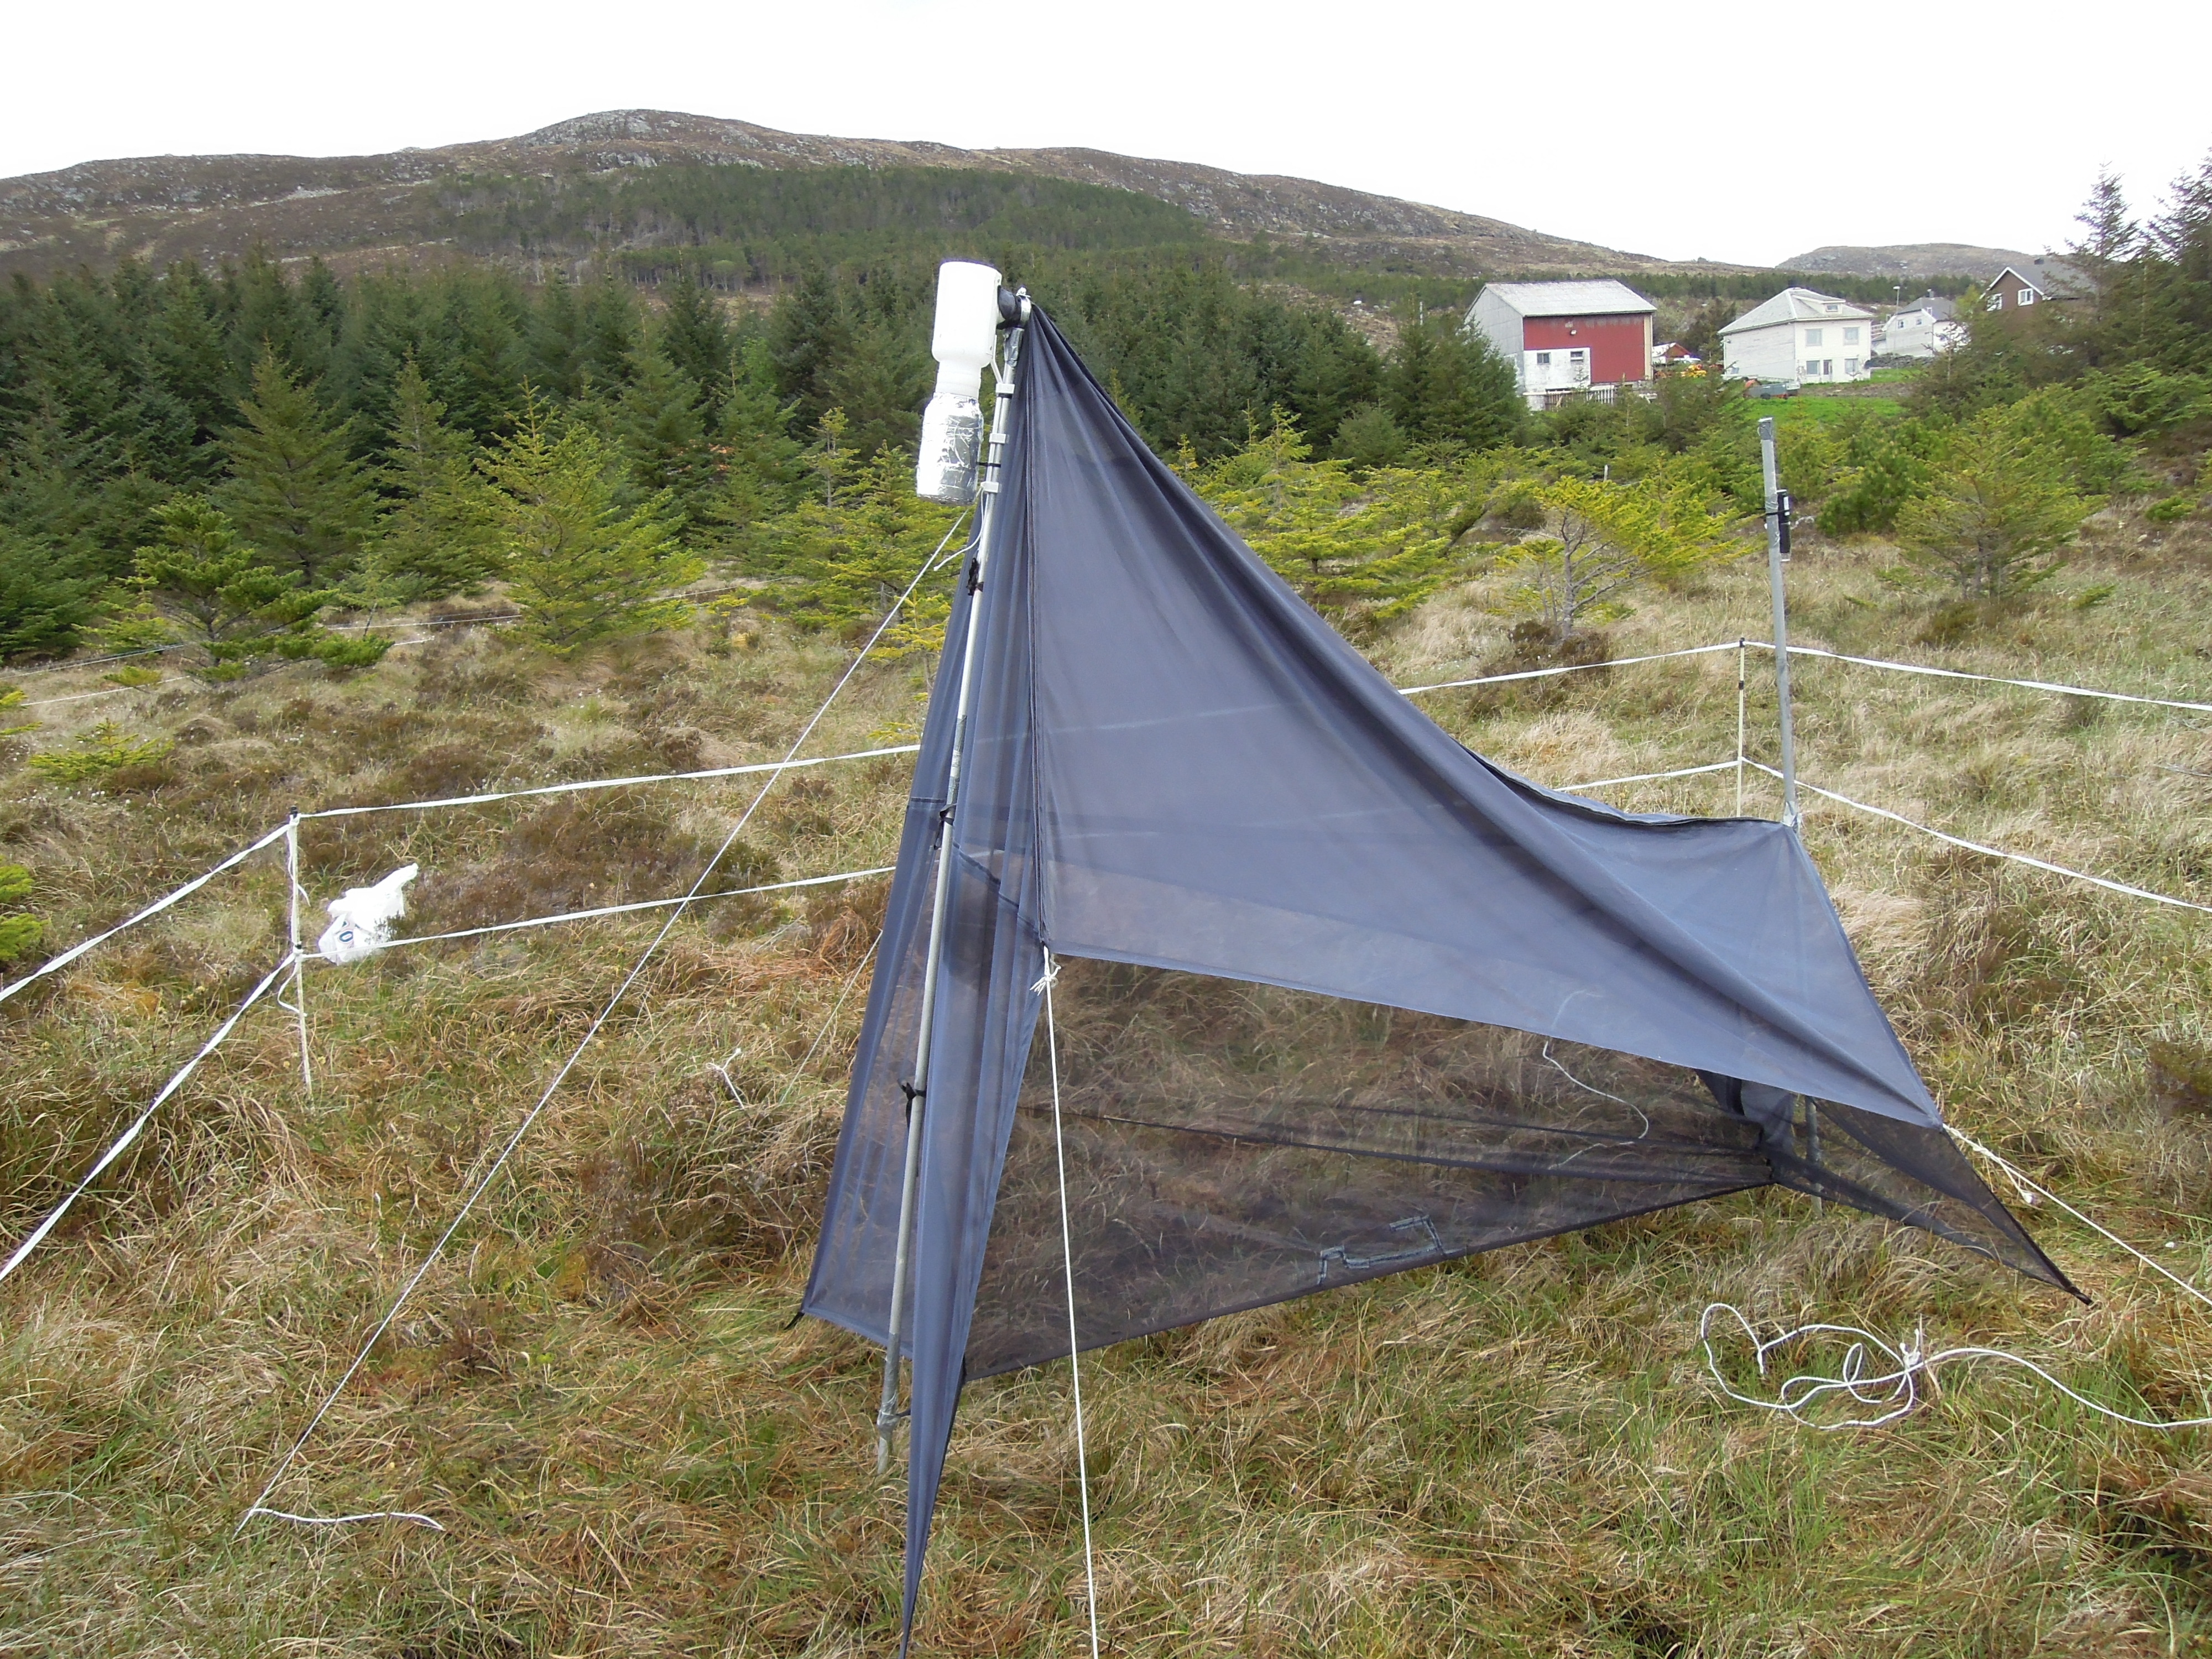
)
(1723, 129)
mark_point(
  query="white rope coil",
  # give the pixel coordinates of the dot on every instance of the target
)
(1892, 1392)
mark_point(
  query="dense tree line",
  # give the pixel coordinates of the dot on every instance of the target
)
(359, 437)
(745, 227)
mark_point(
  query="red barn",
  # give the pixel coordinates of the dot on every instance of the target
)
(1567, 338)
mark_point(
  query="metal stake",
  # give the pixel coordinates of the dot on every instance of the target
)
(887, 1412)
(1777, 554)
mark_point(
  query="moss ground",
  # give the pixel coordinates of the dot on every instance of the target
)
(599, 1392)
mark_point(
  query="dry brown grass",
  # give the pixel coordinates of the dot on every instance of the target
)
(598, 1392)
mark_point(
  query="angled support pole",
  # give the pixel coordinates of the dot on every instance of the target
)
(1778, 555)
(887, 1412)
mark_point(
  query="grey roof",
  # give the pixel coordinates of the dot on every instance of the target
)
(1587, 298)
(2052, 278)
(1936, 306)
(1798, 305)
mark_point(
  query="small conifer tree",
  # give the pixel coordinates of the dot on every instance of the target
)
(439, 538)
(663, 437)
(201, 580)
(295, 490)
(582, 565)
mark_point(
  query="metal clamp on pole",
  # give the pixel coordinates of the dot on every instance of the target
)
(1777, 554)
(974, 315)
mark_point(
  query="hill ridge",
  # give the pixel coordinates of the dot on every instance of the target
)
(210, 207)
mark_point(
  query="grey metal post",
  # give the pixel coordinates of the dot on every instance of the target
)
(1778, 551)
(918, 1100)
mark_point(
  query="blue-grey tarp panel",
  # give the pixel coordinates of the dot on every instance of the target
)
(1173, 763)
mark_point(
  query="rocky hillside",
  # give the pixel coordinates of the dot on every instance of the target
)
(407, 208)
(1910, 261)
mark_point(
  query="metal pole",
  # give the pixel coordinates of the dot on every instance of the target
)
(299, 960)
(1777, 554)
(887, 1412)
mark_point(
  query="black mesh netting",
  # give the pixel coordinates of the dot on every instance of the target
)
(1231, 1144)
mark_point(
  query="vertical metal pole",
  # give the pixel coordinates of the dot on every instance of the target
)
(1777, 551)
(299, 959)
(1743, 655)
(918, 1090)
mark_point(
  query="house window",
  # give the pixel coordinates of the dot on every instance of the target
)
(1812, 366)
(1812, 336)
(1543, 360)
(2025, 297)
(1996, 302)
(1575, 357)
(1850, 337)
(1851, 367)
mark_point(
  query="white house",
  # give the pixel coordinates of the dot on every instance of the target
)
(1562, 338)
(1924, 328)
(1801, 337)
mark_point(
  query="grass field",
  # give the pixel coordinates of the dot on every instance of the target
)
(599, 1395)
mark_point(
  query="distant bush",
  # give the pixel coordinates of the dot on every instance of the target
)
(20, 931)
(103, 749)
(1996, 516)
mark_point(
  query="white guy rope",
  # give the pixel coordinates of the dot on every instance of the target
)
(530, 1117)
(1994, 852)
(777, 767)
(346, 1520)
(2032, 1191)
(1894, 1393)
(79, 697)
(152, 909)
(1727, 765)
(123, 1142)
(1987, 679)
(820, 1037)
(1067, 1261)
(1569, 668)
(625, 910)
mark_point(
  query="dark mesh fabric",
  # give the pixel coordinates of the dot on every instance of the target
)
(1233, 1144)
(1174, 764)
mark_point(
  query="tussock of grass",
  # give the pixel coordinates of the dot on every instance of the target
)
(598, 1394)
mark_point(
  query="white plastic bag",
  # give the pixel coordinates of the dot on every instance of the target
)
(361, 917)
